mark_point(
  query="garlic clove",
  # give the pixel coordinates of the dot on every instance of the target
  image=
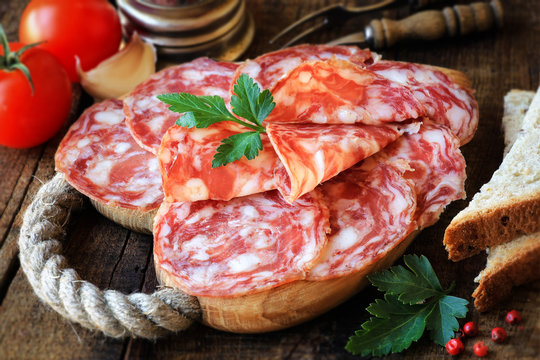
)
(120, 73)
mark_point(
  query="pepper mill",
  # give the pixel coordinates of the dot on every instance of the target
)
(184, 29)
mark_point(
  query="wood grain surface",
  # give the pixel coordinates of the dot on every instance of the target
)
(113, 257)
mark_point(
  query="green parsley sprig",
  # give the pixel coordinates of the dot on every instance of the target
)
(413, 301)
(248, 102)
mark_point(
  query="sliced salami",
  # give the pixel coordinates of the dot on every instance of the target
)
(99, 158)
(313, 153)
(340, 92)
(445, 102)
(269, 68)
(370, 213)
(186, 165)
(148, 118)
(246, 245)
(437, 168)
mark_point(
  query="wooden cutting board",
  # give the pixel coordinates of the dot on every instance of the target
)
(113, 257)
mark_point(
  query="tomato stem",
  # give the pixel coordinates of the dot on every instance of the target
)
(12, 60)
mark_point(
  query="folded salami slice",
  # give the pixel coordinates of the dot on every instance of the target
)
(242, 246)
(370, 213)
(148, 118)
(269, 68)
(313, 153)
(186, 165)
(99, 158)
(437, 168)
(340, 92)
(445, 102)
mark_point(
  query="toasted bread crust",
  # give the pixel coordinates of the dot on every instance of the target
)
(516, 268)
(469, 235)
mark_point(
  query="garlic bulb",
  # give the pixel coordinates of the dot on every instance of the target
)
(119, 74)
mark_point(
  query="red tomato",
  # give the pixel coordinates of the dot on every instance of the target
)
(28, 119)
(89, 29)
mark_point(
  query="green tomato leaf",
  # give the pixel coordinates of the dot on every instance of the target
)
(442, 322)
(412, 286)
(396, 326)
(234, 147)
(249, 102)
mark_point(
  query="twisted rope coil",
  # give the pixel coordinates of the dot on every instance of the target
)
(115, 314)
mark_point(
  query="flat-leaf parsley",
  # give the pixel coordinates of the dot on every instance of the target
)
(248, 102)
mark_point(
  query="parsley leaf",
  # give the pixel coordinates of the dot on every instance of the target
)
(442, 322)
(410, 287)
(414, 301)
(394, 328)
(248, 102)
(234, 147)
(202, 111)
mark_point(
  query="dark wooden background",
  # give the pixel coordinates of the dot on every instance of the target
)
(113, 257)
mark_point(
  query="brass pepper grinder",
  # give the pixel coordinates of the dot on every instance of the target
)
(185, 29)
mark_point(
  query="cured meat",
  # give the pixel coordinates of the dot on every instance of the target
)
(437, 168)
(269, 68)
(186, 165)
(246, 245)
(313, 153)
(370, 213)
(445, 102)
(148, 118)
(99, 158)
(340, 92)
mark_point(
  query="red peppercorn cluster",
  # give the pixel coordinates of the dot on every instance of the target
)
(470, 329)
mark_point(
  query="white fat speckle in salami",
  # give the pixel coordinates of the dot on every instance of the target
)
(148, 118)
(99, 158)
(109, 117)
(241, 246)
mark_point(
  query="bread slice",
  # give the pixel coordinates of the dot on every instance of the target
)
(509, 204)
(516, 104)
(514, 263)
(508, 265)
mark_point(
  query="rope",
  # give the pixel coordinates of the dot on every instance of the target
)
(109, 311)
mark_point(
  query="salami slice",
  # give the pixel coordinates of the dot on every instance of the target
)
(269, 68)
(370, 213)
(148, 118)
(445, 102)
(99, 158)
(313, 153)
(246, 245)
(186, 165)
(437, 168)
(340, 92)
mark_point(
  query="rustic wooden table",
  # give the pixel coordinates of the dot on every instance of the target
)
(113, 257)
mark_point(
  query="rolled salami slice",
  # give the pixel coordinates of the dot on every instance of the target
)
(148, 118)
(99, 158)
(437, 168)
(371, 212)
(445, 101)
(340, 92)
(269, 68)
(313, 153)
(186, 165)
(238, 247)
